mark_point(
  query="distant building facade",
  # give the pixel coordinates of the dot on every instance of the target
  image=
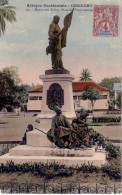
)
(35, 97)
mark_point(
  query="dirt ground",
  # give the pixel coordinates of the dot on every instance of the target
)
(80, 177)
(12, 127)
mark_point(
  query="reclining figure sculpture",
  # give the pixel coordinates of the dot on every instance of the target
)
(66, 135)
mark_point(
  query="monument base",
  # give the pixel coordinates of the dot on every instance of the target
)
(38, 139)
(57, 71)
(27, 154)
(57, 89)
(40, 149)
(25, 150)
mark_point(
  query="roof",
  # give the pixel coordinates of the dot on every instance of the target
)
(77, 86)
(36, 89)
(81, 86)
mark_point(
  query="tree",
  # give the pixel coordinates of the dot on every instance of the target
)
(7, 13)
(85, 75)
(7, 89)
(92, 95)
(11, 92)
(21, 95)
(118, 100)
(109, 82)
(12, 73)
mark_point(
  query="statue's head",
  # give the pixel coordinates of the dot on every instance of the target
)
(84, 113)
(56, 19)
(57, 110)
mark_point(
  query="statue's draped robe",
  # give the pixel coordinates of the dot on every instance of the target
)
(62, 123)
(54, 47)
(56, 44)
(60, 130)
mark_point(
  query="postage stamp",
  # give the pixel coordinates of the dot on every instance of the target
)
(105, 20)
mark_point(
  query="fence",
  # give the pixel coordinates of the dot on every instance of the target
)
(14, 187)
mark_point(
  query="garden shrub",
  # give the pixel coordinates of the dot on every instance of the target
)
(50, 171)
(47, 170)
(100, 140)
(105, 119)
(113, 168)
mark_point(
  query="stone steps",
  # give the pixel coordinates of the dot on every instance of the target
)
(98, 159)
(26, 150)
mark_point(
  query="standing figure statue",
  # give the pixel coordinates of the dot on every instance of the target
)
(57, 40)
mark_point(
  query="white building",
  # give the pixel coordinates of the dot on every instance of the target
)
(35, 97)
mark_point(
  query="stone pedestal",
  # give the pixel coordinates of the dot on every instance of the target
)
(38, 139)
(65, 81)
(25, 150)
(39, 149)
(27, 154)
(46, 115)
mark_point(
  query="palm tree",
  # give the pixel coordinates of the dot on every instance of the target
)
(7, 13)
(85, 75)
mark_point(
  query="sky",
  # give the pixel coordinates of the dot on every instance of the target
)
(24, 42)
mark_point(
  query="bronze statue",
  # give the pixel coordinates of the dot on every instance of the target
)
(66, 135)
(80, 125)
(60, 129)
(57, 40)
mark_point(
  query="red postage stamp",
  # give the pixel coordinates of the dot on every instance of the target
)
(105, 20)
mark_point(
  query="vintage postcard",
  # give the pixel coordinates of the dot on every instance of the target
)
(60, 96)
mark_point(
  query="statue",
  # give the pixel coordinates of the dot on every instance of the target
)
(66, 135)
(57, 40)
(80, 126)
(60, 129)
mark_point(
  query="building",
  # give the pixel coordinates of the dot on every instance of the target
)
(35, 97)
(117, 88)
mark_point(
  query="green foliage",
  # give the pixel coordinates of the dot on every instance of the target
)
(109, 82)
(10, 92)
(21, 95)
(100, 140)
(113, 168)
(51, 170)
(7, 89)
(118, 100)
(113, 151)
(104, 119)
(7, 13)
(88, 168)
(91, 94)
(12, 73)
(45, 170)
(85, 75)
